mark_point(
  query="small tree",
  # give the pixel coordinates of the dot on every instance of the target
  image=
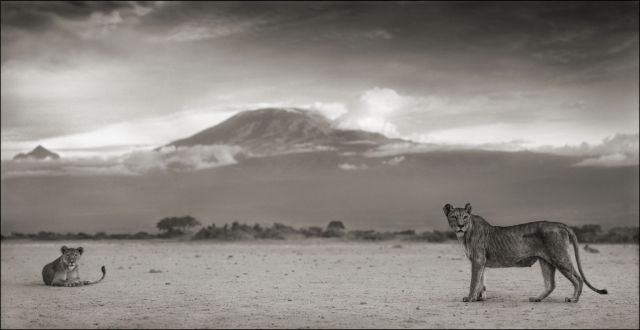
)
(335, 225)
(334, 229)
(587, 233)
(177, 225)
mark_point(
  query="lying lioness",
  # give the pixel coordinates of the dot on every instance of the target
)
(64, 270)
(516, 246)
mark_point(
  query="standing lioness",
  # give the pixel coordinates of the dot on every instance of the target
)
(516, 246)
(64, 270)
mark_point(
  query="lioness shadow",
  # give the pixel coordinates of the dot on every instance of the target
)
(513, 298)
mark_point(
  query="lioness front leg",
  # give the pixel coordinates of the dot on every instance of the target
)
(67, 282)
(483, 292)
(62, 283)
(477, 272)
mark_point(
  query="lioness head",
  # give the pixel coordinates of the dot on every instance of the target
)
(70, 256)
(459, 218)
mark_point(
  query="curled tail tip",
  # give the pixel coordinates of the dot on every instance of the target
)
(103, 269)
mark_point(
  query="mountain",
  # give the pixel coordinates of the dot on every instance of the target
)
(273, 129)
(39, 152)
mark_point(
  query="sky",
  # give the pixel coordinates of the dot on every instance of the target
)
(96, 78)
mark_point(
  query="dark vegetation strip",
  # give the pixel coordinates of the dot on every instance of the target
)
(180, 227)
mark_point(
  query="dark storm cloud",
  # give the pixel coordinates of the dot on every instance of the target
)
(40, 15)
(557, 35)
(27, 23)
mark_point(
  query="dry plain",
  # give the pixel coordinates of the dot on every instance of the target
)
(303, 283)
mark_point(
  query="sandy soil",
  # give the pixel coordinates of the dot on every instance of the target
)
(300, 284)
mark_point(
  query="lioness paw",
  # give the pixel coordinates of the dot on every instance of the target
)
(465, 299)
(570, 300)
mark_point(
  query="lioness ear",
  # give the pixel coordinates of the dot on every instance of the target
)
(467, 208)
(80, 249)
(447, 209)
(63, 249)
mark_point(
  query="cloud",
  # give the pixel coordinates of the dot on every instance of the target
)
(168, 159)
(394, 161)
(610, 160)
(376, 34)
(42, 15)
(181, 159)
(65, 23)
(100, 24)
(616, 144)
(403, 148)
(352, 167)
(617, 150)
(331, 110)
(207, 30)
(383, 101)
(374, 110)
(89, 166)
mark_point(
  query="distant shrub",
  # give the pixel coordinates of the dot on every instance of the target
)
(587, 233)
(311, 231)
(593, 234)
(335, 225)
(369, 235)
(202, 234)
(409, 232)
(257, 228)
(620, 235)
(239, 231)
(47, 236)
(83, 236)
(334, 229)
(175, 226)
(120, 236)
(142, 235)
(279, 231)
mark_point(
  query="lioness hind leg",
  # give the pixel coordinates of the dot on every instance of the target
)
(548, 273)
(566, 268)
(557, 244)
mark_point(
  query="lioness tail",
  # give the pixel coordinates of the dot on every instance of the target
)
(104, 273)
(574, 241)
